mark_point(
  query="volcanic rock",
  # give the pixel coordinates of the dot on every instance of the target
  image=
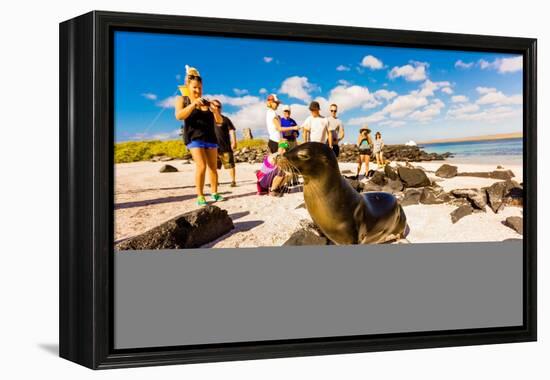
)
(189, 230)
(446, 171)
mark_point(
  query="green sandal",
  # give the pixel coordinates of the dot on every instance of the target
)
(217, 197)
(201, 200)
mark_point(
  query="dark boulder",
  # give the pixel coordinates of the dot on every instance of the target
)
(391, 173)
(356, 184)
(446, 171)
(515, 223)
(393, 186)
(378, 178)
(411, 197)
(167, 169)
(190, 230)
(461, 212)
(413, 177)
(477, 197)
(431, 197)
(307, 234)
(495, 174)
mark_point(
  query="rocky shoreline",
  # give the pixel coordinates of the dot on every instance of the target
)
(348, 153)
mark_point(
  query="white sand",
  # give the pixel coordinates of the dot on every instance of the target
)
(144, 198)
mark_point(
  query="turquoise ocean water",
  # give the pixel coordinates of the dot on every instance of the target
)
(495, 151)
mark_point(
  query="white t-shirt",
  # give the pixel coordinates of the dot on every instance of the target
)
(317, 127)
(274, 134)
(335, 126)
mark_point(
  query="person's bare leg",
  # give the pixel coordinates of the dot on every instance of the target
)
(367, 161)
(232, 174)
(359, 165)
(199, 158)
(382, 158)
(211, 164)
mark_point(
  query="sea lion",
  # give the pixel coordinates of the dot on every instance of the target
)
(344, 215)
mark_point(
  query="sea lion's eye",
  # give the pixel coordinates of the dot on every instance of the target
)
(303, 155)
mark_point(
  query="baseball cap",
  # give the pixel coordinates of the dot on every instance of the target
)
(314, 106)
(273, 98)
(286, 107)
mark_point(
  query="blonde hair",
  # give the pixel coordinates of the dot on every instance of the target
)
(190, 71)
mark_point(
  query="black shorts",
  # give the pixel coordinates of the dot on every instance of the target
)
(227, 159)
(336, 149)
(273, 146)
(365, 152)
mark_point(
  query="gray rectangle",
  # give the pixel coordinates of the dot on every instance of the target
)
(200, 296)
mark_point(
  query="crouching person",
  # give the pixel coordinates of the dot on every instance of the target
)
(272, 179)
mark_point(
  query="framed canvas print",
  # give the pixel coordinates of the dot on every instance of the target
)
(235, 189)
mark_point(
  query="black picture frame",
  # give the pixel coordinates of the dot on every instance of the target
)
(86, 189)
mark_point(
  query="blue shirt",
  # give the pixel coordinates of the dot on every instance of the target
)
(289, 135)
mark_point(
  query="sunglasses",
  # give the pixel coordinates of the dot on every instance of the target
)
(333, 110)
(194, 77)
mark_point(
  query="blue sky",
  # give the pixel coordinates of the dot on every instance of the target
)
(406, 94)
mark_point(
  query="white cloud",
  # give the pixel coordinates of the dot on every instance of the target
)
(298, 88)
(457, 112)
(268, 59)
(498, 98)
(429, 112)
(484, 64)
(240, 92)
(503, 65)
(234, 100)
(393, 123)
(167, 102)
(405, 104)
(411, 73)
(459, 99)
(485, 90)
(428, 88)
(150, 96)
(299, 112)
(490, 115)
(385, 94)
(463, 65)
(447, 90)
(145, 136)
(344, 82)
(250, 116)
(263, 91)
(349, 97)
(510, 65)
(342, 68)
(372, 62)
(374, 118)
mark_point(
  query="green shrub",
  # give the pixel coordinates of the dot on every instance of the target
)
(251, 143)
(133, 151)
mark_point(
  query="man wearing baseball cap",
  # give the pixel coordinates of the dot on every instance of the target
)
(287, 121)
(273, 123)
(316, 126)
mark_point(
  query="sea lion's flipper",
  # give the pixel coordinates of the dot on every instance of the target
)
(359, 217)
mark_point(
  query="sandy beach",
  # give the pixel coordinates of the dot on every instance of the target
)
(144, 198)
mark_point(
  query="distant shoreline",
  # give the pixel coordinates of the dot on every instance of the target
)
(500, 136)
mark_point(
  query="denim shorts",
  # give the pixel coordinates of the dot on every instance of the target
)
(201, 144)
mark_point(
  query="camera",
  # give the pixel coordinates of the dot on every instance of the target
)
(205, 102)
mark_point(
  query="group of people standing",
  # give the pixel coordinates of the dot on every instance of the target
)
(211, 139)
(329, 130)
